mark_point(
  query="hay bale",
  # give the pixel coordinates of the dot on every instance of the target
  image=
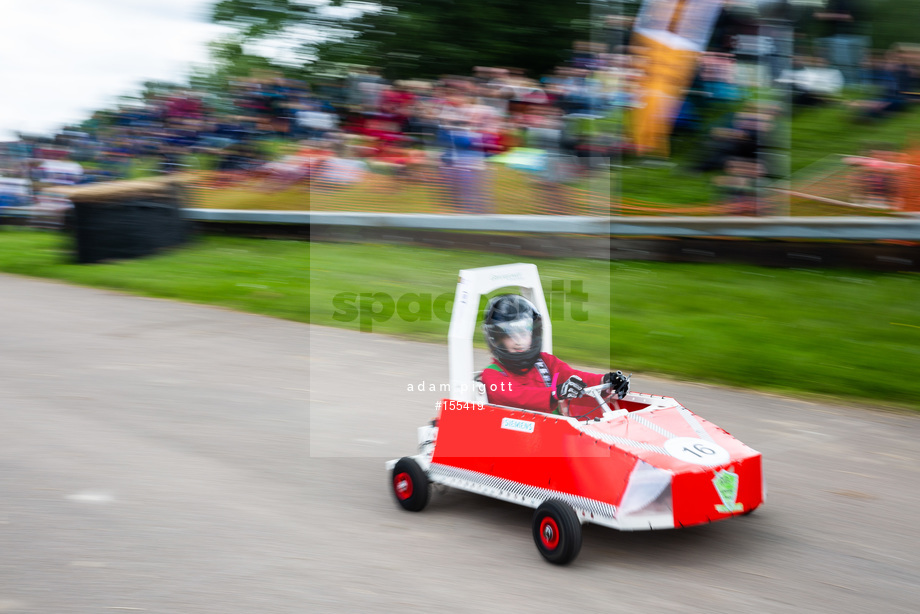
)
(166, 188)
(127, 219)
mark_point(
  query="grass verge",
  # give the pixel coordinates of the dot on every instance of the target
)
(844, 334)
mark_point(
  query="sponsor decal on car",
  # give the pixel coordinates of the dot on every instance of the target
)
(508, 277)
(513, 424)
(726, 483)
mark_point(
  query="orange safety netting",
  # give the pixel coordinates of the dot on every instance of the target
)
(909, 192)
(881, 179)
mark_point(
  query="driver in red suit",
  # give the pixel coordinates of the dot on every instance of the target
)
(523, 376)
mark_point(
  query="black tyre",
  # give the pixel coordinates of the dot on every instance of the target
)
(557, 532)
(410, 485)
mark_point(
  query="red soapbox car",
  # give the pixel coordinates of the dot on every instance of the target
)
(645, 463)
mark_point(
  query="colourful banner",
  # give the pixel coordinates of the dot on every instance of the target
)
(668, 36)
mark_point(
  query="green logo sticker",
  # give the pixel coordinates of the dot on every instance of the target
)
(726, 483)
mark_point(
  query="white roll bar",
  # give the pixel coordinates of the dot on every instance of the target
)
(471, 287)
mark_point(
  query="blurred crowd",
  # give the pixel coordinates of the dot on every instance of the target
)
(558, 127)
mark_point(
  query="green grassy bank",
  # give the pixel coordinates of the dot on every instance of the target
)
(826, 332)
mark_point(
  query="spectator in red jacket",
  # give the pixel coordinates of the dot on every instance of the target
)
(523, 376)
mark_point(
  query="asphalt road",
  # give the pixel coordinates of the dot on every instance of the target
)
(166, 457)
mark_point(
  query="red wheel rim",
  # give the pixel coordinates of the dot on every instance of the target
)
(549, 533)
(402, 484)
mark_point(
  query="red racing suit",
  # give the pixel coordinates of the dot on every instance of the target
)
(534, 388)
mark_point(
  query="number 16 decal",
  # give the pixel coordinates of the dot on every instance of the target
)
(697, 451)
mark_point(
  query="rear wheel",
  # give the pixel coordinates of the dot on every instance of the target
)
(557, 532)
(410, 485)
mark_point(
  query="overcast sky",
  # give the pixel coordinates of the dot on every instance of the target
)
(62, 59)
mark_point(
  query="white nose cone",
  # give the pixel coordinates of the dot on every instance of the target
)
(646, 485)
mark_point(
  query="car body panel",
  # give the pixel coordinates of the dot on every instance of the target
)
(712, 474)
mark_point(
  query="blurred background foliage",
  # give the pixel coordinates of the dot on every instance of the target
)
(430, 38)
(893, 21)
(405, 38)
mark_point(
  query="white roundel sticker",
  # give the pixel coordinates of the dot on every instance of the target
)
(697, 451)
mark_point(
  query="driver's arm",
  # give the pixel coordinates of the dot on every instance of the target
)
(502, 389)
(562, 371)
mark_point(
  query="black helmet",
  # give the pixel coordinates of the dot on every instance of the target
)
(510, 315)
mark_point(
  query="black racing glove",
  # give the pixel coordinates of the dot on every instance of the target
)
(619, 383)
(571, 388)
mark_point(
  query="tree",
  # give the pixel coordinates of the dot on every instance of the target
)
(286, 33)
(411, 38)
(893, 21)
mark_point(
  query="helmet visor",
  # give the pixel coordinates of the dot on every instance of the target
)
(516, 335)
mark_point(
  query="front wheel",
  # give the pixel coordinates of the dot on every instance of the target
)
(410, 485)
(557, 532)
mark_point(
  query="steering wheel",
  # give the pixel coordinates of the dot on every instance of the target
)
(597, 393)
